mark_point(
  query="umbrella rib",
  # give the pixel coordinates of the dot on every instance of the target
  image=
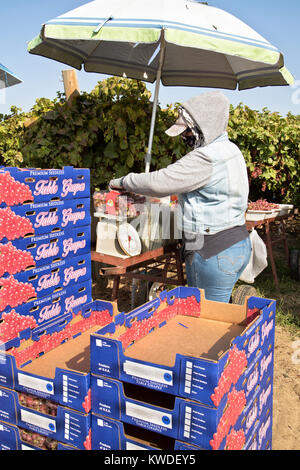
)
(99, 27)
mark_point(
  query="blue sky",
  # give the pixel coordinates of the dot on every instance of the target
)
(276, 20)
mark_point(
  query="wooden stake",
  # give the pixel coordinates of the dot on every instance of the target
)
(70, 84)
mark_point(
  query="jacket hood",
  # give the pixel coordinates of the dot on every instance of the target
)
(210, 111)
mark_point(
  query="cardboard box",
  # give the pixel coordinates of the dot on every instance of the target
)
(261, 437)
(65, 425)
(39, 311)
(54, 361)
(45, 249)
(44, 280)
(14, 438)
(177, 417)
(19, 185)
(111, 434)
(36, 219)
(185, 345)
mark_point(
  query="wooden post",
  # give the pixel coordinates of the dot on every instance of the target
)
(70, 84)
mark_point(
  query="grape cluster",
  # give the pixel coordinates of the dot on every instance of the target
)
(256, 172)
(262, 205)
(37, 440)
(14, 293)
(235, 404)
(235, 440)
(88, 441)
(42, 405)
(13, 192)
(12, 260)
(12, 323)
(13, 226)
(87, 403)
(237, 362)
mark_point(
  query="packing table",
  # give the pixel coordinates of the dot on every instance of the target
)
(155, 266)
(158, 265)
(268, 226)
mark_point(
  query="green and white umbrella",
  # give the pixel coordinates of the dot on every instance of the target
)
(175, 42)
(7, 78)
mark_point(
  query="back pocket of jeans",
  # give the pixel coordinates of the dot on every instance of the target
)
(230, 265)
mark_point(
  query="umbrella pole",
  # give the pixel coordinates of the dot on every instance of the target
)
(155, 101)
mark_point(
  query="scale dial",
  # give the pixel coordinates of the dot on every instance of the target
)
(129, 239)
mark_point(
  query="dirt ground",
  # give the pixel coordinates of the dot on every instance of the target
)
(286, 402)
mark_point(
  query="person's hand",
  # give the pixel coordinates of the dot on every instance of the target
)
(116, 184)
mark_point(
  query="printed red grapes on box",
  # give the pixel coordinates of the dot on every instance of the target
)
(23, 185)
(34, 219)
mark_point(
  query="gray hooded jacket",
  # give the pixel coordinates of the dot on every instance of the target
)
(211, 181)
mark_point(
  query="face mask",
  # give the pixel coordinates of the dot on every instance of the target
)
(189, 140)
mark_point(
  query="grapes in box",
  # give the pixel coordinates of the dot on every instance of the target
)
(15, 438)
(63, 424)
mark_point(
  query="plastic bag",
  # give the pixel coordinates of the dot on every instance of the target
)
(258, 259)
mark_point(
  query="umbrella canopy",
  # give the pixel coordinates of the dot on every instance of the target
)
(176, 42)
(7, 78)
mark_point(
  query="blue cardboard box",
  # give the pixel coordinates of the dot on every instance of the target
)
(54, 362)
(261, 436)
(47, 248)
(43, 309)
(176, 417)
(185, 345)
(54, 277)
(19, 185)
(64, 425)
(14, 438)
(45, 280)
(110, 434)
(39, 218)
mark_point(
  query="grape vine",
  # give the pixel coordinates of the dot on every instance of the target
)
(107, 131)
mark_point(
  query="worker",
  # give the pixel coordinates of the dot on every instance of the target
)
(211, 182)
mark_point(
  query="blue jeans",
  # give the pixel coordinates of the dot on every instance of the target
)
(218, 275)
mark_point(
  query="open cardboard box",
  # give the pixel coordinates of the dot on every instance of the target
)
(54, 362)
(185, 345)
(14, 438)
(111, 434)
(65, 425)
(180, 418)
(196, 432)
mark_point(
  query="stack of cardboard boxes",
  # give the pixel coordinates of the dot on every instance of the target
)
(177, 373)
(182, 371)
(45, 271)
